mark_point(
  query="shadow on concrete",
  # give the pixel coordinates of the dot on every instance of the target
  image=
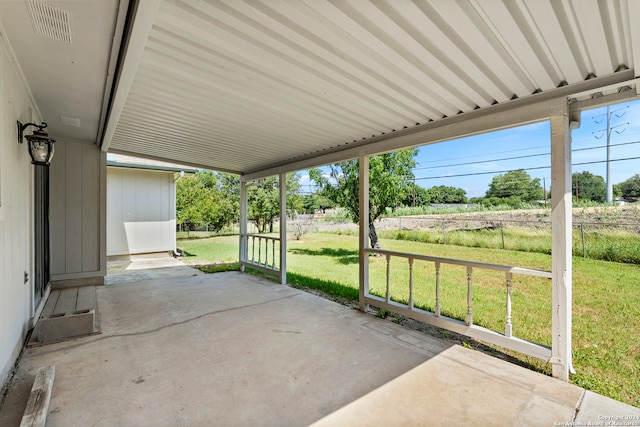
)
(235, 349)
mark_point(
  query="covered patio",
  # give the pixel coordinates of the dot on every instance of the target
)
(235, 349)
(261, 89)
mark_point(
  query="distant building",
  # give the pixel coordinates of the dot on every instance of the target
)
(141, 205)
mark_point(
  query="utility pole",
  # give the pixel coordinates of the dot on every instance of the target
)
(414, 191)
(609, 196)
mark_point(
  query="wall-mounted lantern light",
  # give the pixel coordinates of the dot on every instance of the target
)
(40, 145)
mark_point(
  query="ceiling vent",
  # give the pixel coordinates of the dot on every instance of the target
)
(70, 121)
(50, 21)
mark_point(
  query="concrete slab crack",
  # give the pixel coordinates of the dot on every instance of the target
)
(160, 328)
(579, 405)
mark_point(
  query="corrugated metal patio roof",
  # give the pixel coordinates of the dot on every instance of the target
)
(246, 85)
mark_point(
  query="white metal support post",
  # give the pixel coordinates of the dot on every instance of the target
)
(283, 228)
(243, 223)
(561, 241)
(364, 229)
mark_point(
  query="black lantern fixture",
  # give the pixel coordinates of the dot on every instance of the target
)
(40, 145)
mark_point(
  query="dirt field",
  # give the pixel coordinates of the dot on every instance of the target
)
(627, 217)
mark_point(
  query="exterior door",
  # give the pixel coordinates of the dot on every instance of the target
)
(41, 227)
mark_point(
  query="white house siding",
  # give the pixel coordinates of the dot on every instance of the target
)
(140, 211)
(16, 204)
(76, 214)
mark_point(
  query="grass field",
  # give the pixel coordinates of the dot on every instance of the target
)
(606, 308)
(601, 244)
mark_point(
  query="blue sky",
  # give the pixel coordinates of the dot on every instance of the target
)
(439, 163)
(481, 156)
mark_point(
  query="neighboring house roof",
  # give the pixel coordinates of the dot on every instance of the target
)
(122, 161)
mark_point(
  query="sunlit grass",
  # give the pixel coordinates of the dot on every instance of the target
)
(599, 243)
(211, 250)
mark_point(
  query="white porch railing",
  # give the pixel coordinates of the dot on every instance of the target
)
(261, 252)
(506, 339)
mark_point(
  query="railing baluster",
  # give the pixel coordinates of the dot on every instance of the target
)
(410, 284)
(410, 310)
(253, 249)
(256, 258)
(469, 318)
(243, 244)
(437, 310)
(266, 251)
(388, 294)
(508, 326)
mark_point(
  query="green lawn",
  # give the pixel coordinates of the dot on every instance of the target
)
(606, 322)
(210, 250)
(601, 244)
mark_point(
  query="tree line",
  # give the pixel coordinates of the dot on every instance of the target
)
(213, 198)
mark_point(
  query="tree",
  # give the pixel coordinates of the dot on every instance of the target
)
(416, 196)
(229, 185)
(515, 185)
(190, 200)
(587, 186)
(324, 202)
(295, 202)
(264, 200)
(617, 190)
(222, 208)
(631, 187)
(389, 177)
(420, 196)
(200, 199)
(446, 194)
(312, 203)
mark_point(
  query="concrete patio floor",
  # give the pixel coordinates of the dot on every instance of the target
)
(231, 349)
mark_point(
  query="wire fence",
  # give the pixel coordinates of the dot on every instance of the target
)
(612, 241)
(596, 239)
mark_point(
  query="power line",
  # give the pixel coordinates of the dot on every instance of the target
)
(483, 161)
(510, 158)
(605, 161)
(604, 146)
(481, 173)
(513, 158)
(525, 169)
(496, 152)
(522, 157)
